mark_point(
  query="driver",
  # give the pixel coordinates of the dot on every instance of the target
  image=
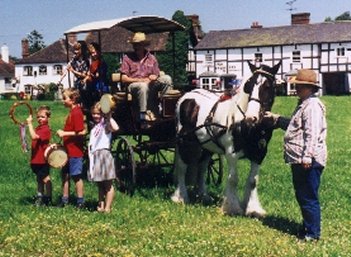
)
(141, 71)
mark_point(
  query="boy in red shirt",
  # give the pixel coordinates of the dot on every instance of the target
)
(73, 140)
(40, 139)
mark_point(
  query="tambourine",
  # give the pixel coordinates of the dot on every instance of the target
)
(107, 103)
(56, 155)
(13, 109)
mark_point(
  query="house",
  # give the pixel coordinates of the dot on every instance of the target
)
(7, 72)
(48, 64)
(41, 68)
(323, 47)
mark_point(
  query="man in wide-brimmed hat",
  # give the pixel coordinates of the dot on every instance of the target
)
(140, 70)
(305, 149)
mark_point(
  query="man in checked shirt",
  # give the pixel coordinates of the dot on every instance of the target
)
(305, 149)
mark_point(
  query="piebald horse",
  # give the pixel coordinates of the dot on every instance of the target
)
(209, 123)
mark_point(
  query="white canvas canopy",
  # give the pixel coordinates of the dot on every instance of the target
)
(145, 23)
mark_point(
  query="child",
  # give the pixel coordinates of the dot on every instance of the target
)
(102, 168)
(40, 139)
(73, 140)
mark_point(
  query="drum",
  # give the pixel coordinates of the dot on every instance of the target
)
(107, 103)
(56, 155)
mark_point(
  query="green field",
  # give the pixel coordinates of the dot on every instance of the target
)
(149, 224)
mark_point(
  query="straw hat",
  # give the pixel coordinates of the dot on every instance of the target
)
(139, 37)
(306, 77)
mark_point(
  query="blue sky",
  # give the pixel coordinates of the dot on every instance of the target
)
(52, 17)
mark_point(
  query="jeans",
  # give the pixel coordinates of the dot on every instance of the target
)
(306, 184)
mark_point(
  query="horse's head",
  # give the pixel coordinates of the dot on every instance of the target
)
(261, 90)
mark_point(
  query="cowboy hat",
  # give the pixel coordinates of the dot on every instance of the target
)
(306, 77)
(139, 37)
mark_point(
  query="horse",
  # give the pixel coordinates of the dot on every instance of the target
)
(232, 126)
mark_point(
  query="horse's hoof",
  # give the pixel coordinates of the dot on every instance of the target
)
(232, 212)
(178, 199)
(206, 199)
(255, 214)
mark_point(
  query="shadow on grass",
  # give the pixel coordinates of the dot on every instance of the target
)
(88, 205)
(282, 224)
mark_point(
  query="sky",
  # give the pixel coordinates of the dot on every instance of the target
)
(51, 18)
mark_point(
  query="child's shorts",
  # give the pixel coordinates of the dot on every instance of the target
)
(74, 166)
(41, 170)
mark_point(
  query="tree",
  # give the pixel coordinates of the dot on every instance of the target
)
(35, 42)
(178, 70)
(112, 63)
(342, 17)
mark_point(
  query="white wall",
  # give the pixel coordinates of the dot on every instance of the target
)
(50, 77)
(319, 57)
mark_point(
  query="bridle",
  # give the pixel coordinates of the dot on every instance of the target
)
(269, 76)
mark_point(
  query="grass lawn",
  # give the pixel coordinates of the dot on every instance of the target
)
(149, 224)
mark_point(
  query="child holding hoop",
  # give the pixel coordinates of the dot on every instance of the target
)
(40, 140)
(102, 168)
(73, 140)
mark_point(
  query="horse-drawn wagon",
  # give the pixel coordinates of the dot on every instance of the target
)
(139, 149)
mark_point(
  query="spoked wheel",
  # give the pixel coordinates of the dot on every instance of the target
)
(155, 163)
(215, 170)
(160, 154)
(125, 166)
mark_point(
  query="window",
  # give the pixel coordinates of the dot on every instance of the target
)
(340, 51)
(258, 57)
(57, 69)
(296, 56)
(28, 89)
(42, 70)
(205, 83)
(27, 71)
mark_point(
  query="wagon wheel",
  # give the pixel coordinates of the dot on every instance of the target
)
(125, 166)
(160, 154)
(155, 163)
(215, 170)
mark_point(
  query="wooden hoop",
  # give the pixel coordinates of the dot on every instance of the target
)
(13, 108)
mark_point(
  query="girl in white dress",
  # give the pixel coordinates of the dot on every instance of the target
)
(101, 163)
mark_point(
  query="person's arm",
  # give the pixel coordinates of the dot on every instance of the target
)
(79, 127)
(32, 133)
(276, 121)
(111, 124)
(282, 122)
(61, 133)
(126, 79)
(312, 120)
(77, 73)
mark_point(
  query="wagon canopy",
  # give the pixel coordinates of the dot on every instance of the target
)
(144, 23)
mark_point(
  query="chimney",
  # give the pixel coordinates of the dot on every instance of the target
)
(300, 18)
(25, 48)
(256, 25)
(5, 53)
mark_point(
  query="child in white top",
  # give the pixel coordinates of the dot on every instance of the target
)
(102, 168)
